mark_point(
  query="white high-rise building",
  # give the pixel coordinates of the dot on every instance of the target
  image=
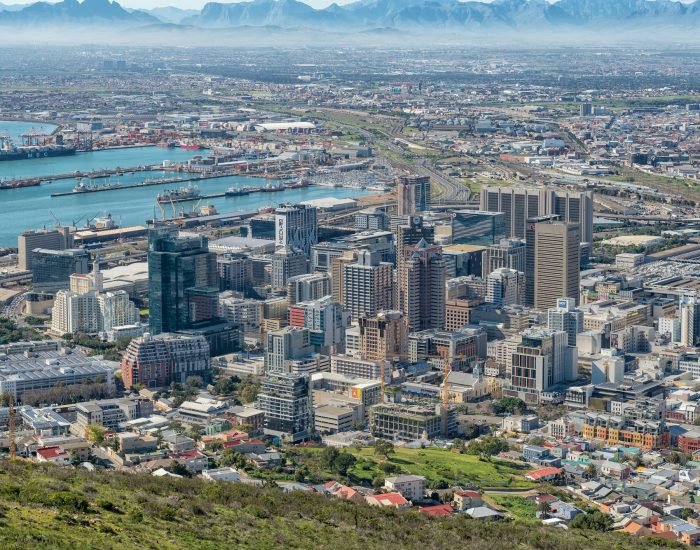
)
(670, 326)
(567, 317)
(296, 226)
(505, 287)
(84, 308)
(690, 319)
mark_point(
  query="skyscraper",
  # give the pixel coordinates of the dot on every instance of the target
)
(421, 288)
(182, 276)
(384, 336)
(517, 204)
(508, 253)
(49, 239)
(411, 232)
(530, 256)
(286, 401)
(480, 228)
(689, 314)
(557, 263)
(284, 345)
(326, 321)
(296, 225)
(287, 261)
(312, 286)
(52, 269)
(565, 316)
(367, 285)
(505, 287)
(541, 360)
(413, 194)
(520, 203)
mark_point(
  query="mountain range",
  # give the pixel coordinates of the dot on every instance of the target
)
(417, 15)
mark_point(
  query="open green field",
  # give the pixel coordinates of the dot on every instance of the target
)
(434, 464)
(519, 507)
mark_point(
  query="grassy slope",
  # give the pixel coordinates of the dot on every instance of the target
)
(46, 507)
(435, 464)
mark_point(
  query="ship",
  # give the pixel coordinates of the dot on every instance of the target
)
(238, 191)
(271, 188)
(19, 184)
(83, 187)
(189, 193)
(191, 146)
(11, 152)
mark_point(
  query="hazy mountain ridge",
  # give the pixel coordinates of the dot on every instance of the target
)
(421, 15)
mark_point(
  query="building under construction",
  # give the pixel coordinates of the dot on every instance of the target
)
(410, 422)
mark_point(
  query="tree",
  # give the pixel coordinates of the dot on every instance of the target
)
(329, 456)
(487, 446)
(383, 447)
(232, 458)
(195, 432)
(95, 433)
(544, 508)
(74, 457)
(509, 405)
(595, 521)
(194, 381)
(301, 473)
(179, 469)
(590, 471)
(216, 446)
(378, 482)
(249, 392)
(685, 513)
(344, 462)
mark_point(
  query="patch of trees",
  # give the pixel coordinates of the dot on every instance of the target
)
(487, 446)
(337, 461)
(509, 405)
(62, 395)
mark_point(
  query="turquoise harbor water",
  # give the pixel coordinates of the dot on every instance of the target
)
(15, 128)
(33, 207)
(94, 160)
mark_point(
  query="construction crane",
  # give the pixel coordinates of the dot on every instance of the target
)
(11, 428)
(445, 409)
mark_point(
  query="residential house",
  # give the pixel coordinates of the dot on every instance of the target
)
(388, 500)
(410, 487)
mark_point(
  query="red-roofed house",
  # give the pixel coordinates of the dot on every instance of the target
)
(343, 492)
(55, 455)
(544, 474)
(438, 511)
(390, 500)
(463, 500)
(193, 460)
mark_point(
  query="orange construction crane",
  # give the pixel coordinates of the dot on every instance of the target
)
(11, 428)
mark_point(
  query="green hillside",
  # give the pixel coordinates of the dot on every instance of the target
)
(46, 507)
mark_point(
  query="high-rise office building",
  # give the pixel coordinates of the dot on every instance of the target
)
(48, 239)
(383, 337)
(296, 226)
(284, 345)
(565, 316)
(182, 279)
(287, 404)
(520, 203)
(338, 274)
(505, 287)
(421, 288)
(574, 207)
(287, 261)
(517, 204)
(413, 194)
(689, 315)
(542, 359)
(411, 232)
(312, 286)
(368, 285)
(557, 263)
(478, 227)
(325, 320)
(235, 272)
(530, 256)
(52, 269)
(508, 253)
